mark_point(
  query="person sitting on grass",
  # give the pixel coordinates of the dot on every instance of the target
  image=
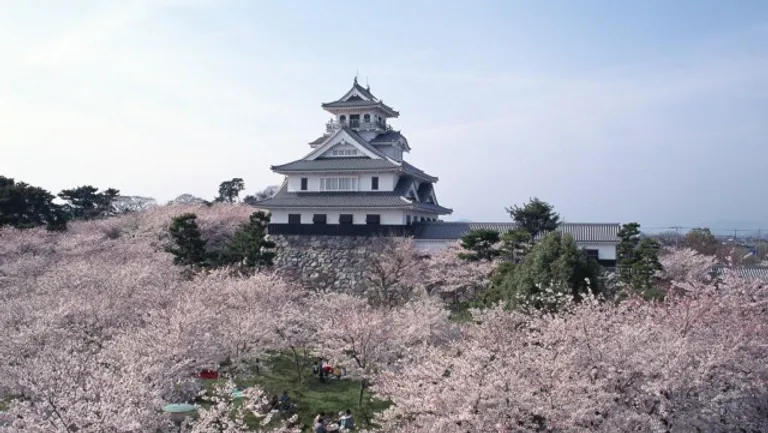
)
(319, 423)
(285, 402)
(346, 422)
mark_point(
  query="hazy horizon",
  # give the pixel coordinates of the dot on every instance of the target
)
(613, 112)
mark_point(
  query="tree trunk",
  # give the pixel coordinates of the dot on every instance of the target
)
(360, 397)
(297, 360)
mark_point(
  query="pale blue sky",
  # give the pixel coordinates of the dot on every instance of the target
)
(654, 111)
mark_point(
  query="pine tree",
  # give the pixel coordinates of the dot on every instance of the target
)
(188, 246)
(86, 202)
(536, 216)
(481, 243)
(25, 206)
(554, 266)
(229, 190)
(638, 258)
(250, 245)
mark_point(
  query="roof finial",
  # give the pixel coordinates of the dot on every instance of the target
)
(367, 86)
(357, 72)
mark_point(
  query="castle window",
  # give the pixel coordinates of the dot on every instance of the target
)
(345, 218)
(304, 183)
(294, 218)
(367, 118)
(375, 183)
(373, 219)
(319, 218)
(345, 152)
(338, 184)
(342, 119)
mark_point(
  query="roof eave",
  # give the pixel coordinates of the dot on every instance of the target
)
(383, 107)
(334, 170)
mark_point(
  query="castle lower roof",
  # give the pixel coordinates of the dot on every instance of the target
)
(350, 199)
(350, 165)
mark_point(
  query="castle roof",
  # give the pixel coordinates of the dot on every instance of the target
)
(360, 97)
(395, 199)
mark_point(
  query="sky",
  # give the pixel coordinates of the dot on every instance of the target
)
(649, 111)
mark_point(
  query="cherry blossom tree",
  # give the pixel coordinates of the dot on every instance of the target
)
(393, 272)
(689, 363)
(449, 276)
(686, 264)
(368, 339)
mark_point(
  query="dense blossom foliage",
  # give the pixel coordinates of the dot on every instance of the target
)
(101, 330)
(694, 362)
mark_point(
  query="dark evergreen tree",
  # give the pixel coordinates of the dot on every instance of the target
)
(229, 190)
(637, 258)
(26, 206)
(188, 246)
(555, 264)
(515, 245)
(481, 243)
(250, 245)
(86, 202)
(535, 217)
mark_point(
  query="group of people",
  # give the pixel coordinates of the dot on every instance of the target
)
(324, 370)
(281, 404)
(322, 423)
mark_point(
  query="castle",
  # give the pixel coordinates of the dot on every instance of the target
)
(356, 182)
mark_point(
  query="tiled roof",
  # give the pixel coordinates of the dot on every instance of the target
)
(361, 103)
(319, 140)
(335, 164)
(582, 232)
(749, 273)
(373, 199)
(413, 171)
(424, 190)
(386, 137)
(389, 137)
(363, 142)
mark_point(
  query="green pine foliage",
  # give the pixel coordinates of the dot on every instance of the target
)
(250, 246)
(638, 259)
(24, 206)
(534, 217)
(481, 245)
(87, 203)
(188, 246)
(229, 190)
(554, 266)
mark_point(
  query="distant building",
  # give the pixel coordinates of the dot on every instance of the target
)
(747, 273)
(356, 182)
(598, 240)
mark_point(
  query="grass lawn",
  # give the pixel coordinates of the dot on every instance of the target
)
(312, 396)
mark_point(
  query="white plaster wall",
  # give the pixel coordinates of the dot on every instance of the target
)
(604, 251)
(388, 216)
(387, 181)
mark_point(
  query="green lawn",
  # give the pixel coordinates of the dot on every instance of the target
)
(312, 396)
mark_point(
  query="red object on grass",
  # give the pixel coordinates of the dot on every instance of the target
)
(209, 374)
